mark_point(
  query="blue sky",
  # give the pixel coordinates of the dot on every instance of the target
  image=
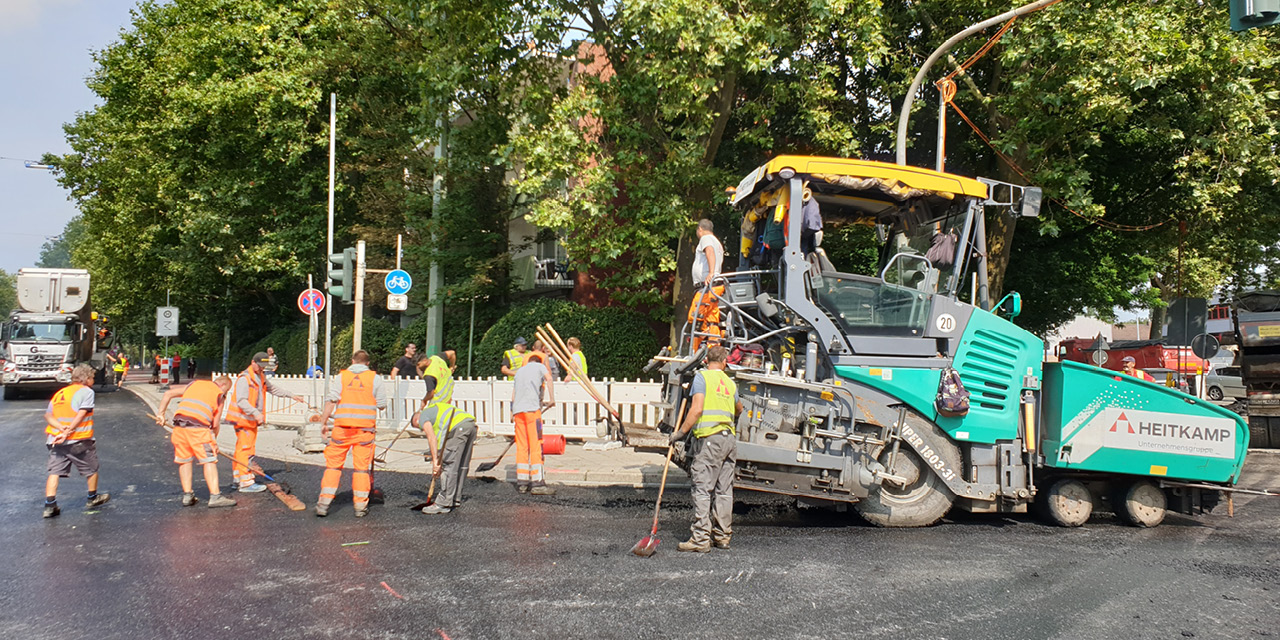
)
(45, 55)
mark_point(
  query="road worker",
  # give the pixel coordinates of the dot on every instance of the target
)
(711, 416)
(531, 380)
(354, 399)
(578, 357)
(246, 411)
(120, 367)
(451, 434)
(195, 435)
(1130, 367)
(440, 368)
(69, 430)
(514, 357)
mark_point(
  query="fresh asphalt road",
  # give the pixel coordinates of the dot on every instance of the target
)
(511, 566)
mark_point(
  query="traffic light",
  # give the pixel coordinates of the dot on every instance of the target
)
(341, 272)
(1250, 14)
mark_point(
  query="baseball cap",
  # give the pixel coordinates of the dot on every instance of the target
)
(1127, 359)
(521, 340)
(261, 357)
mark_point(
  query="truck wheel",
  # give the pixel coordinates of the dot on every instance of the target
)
(11, 392)
(1215, 393)
(1067, 503)
(1141, 504)
(924, 499)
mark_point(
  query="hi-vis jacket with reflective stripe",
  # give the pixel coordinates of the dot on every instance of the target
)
(236, 415)
(443, 418)
(439, 369)
(357, 404)
(515, 360)
(64, 415)
(199, 402)
(718, 404)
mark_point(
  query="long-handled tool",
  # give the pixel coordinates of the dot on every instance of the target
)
(561, 352)
(381, 458)
(648, 545)
(431, 497)
(488, 466)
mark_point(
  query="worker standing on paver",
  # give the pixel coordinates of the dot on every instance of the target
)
(69, 427)
(579, 359)
(451, 434)
(711, 416)
(531, 380)
(354, 399)
(246, 411)
(1130, 367)
(195, 435)
(514, 357)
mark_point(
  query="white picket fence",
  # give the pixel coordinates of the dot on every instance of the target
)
(488, 399)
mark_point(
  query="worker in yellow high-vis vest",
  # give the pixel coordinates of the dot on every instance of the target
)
(514, 357)
(712, 414)
(451, 434)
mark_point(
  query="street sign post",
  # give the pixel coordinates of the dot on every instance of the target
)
(1205, 346)
(311, 302)
(398, 282)
(166, 322)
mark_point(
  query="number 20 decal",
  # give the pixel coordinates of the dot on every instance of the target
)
(946, 323)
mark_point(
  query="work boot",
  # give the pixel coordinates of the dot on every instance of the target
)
(522, 488)
(690, 545)
(322, 510)
(219, 500)
(51, 510)
(542, 490)
(189, 499)
(360, 513)
(722, 543)
(97, 500)
(253, 488)
(434, 509)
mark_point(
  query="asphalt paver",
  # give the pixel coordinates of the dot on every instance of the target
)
(512, 566)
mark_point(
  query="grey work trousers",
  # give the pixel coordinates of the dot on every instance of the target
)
(714, 459)
(455, 459)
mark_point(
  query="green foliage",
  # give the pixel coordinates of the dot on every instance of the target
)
(379, 337)
(852, 248)
(618, 342)
(8, 292)
(56, 253)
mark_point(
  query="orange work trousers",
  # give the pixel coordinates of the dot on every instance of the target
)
(704, 316)
(528, 449)
(246, 447)
(360, 443)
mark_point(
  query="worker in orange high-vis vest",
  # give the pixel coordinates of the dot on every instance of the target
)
(69, 431)
(246, 411)
(195, 435)
(355, 395)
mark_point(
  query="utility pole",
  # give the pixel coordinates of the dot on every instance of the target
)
(435, 312)
(328, 298)
(359, 323)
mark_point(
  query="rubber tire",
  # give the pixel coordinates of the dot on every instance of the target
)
(1066, 503)
(925, 501)
(1141, 504)
(1214, 393)
(11, 392)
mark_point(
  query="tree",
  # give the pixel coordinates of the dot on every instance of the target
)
(57, 252)
(8, 292)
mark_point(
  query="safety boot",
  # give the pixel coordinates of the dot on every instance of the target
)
(189, 499)
(360, 513)
(690, 545)
(522, 488)
(51, 510)
(434, 509)
(97, 500)
(253, 488)
(722, 543)
(542, 490)
(322, 510)
(220, 500)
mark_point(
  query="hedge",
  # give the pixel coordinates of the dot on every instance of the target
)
(617, 342)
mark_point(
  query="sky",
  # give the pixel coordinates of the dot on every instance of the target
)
(45, 56)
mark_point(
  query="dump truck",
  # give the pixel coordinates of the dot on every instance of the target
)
(840, 373)
(53, 330)
(1257, 320)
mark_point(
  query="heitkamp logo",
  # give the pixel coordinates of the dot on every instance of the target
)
(1121, 420)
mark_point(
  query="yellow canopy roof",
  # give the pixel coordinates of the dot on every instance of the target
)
(912, 178)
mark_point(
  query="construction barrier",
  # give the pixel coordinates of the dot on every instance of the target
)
(488, 399)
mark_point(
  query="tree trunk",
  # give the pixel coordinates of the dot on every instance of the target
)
(1157, 324)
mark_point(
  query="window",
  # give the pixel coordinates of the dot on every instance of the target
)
(867, 306)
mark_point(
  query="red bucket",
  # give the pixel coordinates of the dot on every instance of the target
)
(552, 445)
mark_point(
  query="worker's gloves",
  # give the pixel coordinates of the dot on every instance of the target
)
(676, 436)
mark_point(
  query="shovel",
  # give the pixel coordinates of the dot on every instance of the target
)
(431, 498)
(381, 458)
(649, 544)
(488, 466)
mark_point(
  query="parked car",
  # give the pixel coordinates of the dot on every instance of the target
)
(1224, 382)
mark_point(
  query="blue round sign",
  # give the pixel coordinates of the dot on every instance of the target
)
(398, 282)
